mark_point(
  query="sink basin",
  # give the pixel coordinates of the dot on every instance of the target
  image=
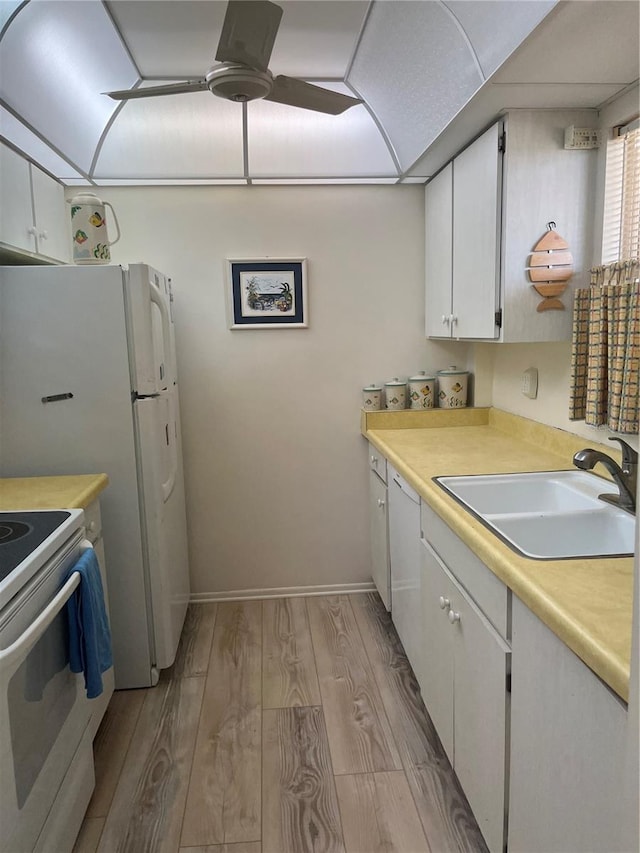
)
(547, 515)
(541, 491)
(580, 534)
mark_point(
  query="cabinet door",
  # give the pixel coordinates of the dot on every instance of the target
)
(476, 237)
(481, 664)
(379, 531)
(568, 751)
(435, 674)
(438, 253)
(16, 211)
(51, 217)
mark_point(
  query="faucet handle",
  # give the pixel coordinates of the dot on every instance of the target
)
(629, 455)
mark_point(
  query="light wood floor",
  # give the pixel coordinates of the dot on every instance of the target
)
(285, 726)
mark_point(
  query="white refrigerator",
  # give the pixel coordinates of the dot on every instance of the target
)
(88, 385)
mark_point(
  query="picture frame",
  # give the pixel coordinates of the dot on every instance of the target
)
(267, 293)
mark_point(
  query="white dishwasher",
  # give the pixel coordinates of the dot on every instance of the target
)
(404, 549)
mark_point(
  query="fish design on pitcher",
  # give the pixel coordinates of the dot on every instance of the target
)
(96, 220)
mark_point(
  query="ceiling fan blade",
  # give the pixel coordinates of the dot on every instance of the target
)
(248, 33)
(152, 91)
(297, 93)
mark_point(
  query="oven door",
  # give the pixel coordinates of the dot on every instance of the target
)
(43, 709)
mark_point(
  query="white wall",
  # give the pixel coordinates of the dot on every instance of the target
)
(552, 360)
(275, 467)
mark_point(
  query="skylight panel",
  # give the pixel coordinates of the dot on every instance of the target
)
(56, 58)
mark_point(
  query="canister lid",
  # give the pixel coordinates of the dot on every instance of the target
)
(396, 381)
(452, 371)
(372, 387)
(422, 376)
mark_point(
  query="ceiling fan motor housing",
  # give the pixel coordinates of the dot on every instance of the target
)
(239, 83)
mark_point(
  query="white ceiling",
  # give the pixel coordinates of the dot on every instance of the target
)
(430, 74)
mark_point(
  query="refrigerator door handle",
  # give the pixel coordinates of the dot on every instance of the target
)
(169, 484)
(158, 298)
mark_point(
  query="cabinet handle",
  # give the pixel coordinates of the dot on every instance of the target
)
(33, 232)
(454, 320)
(380, 503)
(444, 603)
(445, 319)
(43, 235)
(374, 460)
(453, 617)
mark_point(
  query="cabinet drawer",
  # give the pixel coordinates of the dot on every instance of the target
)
(488, 591)
(93, 521)
(377, 463)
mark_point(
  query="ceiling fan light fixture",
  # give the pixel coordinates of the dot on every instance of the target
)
(239, 83)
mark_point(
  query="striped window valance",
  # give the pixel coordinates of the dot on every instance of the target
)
(605, 356)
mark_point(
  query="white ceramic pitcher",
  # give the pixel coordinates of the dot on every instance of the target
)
(89, 229)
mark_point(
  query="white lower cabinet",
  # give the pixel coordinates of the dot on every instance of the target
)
(568, 751)
(379, 536)
(463, 678)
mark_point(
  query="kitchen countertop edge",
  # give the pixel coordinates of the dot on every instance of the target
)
(75, 491)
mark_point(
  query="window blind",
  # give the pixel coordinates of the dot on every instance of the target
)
(621, 230)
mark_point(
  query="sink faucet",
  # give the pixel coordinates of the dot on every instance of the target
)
(625, 478)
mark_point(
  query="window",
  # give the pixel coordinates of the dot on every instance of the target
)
(621, 231)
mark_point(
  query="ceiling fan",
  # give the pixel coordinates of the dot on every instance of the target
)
(248, 34)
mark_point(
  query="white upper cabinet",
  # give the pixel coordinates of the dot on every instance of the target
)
(476, 237)
(53, 238)
(484, 214)
(462, 218)
(34, 217)
(16, 211)
(439, 253)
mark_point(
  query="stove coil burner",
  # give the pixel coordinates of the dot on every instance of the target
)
(10, 531)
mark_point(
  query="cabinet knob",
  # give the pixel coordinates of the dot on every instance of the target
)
(374, 460)
(453, 617)
(43, 235)
(445, 319)
(380, 503)
(454, 320)
(444, 603)
(92, 526)
(32, 231)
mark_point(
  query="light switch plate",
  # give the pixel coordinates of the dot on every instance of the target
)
(529, 385)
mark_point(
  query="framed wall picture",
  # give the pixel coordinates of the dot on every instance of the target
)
(267, 293)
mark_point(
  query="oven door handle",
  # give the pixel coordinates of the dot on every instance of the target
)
(25, 642)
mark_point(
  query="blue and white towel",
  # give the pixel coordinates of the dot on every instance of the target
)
(89, 634)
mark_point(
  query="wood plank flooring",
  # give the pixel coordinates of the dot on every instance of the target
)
(284, 726)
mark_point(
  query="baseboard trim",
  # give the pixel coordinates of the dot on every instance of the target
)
(281, 592)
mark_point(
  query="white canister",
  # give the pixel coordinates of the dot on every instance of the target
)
(89, 237)
(452, 384)
(395, 393)
(422, 391)
(372, 398)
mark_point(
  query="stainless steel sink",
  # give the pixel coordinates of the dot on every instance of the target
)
(547, 515)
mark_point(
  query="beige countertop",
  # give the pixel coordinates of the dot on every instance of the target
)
(585, 602)
(69, 492)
